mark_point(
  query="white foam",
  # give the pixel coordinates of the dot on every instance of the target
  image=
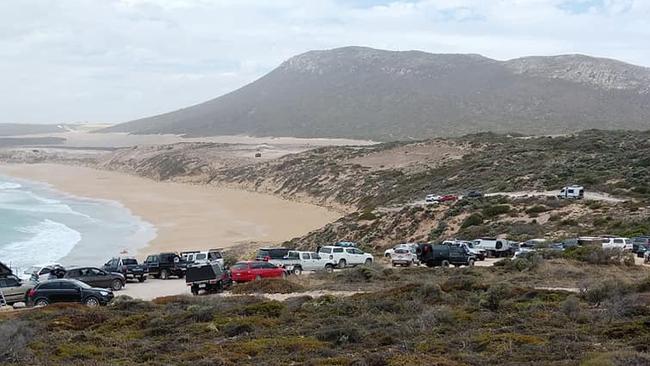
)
(50, 242)
(9, 185)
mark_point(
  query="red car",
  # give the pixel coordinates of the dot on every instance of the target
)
(448, 198)
(255, 270)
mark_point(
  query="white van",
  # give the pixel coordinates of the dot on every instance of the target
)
(572, 192)
(617, 243)
(494, 247)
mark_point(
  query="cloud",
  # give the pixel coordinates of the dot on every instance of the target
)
(115, 60)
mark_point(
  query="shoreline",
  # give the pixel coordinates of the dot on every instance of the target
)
(185, 216)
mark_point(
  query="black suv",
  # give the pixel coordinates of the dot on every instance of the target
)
(50, 292)
(128, 267)
(164, 265)
(640, 245)
(97, 277)
(444, 255)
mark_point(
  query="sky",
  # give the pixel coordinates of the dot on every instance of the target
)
(65, 61)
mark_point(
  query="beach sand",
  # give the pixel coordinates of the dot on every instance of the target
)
(186, 217)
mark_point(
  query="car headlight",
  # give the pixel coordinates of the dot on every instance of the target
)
(104, 293)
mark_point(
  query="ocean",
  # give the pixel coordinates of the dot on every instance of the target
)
(39, 226)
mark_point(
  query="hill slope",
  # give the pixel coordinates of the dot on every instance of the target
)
(385, 95)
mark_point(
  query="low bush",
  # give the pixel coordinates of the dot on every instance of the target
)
(597, 255)
(268, 286)
(474, 219)
(496, 210)
(15, 335)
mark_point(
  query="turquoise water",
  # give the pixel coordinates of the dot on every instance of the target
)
(39, 225)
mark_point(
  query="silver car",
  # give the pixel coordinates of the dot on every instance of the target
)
(14, 289)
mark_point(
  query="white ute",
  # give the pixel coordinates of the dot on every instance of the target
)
(344, 257)
(309, 261)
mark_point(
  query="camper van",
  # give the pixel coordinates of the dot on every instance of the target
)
(495, 247)
(572, 192)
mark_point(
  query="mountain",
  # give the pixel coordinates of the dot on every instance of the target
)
(358, 92)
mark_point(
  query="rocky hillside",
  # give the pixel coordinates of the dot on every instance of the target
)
(357, 92)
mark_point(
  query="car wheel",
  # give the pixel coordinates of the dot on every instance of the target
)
(470, 263)
(445, 263)
(164, 274)
(297, 271)
(195, 291)
(116, 285)
(394, 264)
(368, 262)
(92, 302)
(329, 268)
(41, 302)
(141, 279)
(342, 263)
(387, 255)
(258, 277)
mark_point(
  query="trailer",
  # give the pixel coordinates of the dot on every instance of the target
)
(495, 247)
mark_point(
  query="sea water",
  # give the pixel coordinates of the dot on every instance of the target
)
(39, 226)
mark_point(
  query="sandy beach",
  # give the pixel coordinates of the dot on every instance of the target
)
(185, 216)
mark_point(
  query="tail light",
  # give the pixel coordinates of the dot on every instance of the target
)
(31, 293)
(267, 258)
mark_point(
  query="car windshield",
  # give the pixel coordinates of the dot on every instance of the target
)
(129, 261)
(401, 251)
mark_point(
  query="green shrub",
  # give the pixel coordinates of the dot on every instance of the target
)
(268, 286)
(367, 215)
(593, 254)
(271, 309)
(474, 219)
(496, 210)
(537, 209)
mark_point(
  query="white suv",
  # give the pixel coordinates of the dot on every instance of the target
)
(199, 257)
(344, 257)
(618, 243)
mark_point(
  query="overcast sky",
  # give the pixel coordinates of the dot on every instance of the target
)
(116, 60)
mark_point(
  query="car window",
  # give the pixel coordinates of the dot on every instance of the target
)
(305, 256)
(268, 265)
(49, 285)
(293, 255)
(68, 285)
(338, 250)
(95, 272)
(45, 270)
(214, 255)
(200, 257)
(239, 266)
(315, 256)
(11, 282)
(326, 250)
(619, 241)
(129, 261)
(257, 265)
(73, 273)
(151, 258)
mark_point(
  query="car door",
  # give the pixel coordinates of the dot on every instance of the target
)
(69, 292)
(306, 262)
(351, 254)
(101, 278)
(152, 263)
(51, 291)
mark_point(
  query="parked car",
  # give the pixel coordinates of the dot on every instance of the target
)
(640, 245)
(646, 257)
(473, 194)
(207, 256)
(272, 255)
(165, 265)
(344, 257)
(448, 198)
(14, 289)
(403, 257)
(96, 277)
(495, 247)
(432, 198)
(444, 255)
(39, 273)
(308, 261)
(255, 270)
(390, 251)
(479, 253)
(208, 277)
(68, 290)
(128, 267)
(345, 244)
(617, 243)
